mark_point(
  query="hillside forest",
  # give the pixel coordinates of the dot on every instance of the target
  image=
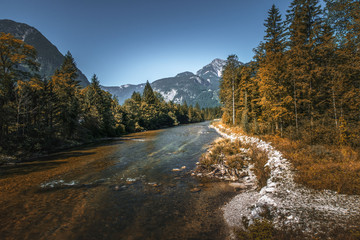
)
(304, 80)
(41, 114)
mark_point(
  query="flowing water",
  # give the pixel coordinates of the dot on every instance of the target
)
(124, 189)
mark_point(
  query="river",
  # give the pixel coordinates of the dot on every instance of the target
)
(123, 189)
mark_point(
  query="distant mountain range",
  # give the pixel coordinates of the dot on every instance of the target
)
(202, 87)
(48, 55)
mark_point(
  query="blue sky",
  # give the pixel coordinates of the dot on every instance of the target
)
(131, 41)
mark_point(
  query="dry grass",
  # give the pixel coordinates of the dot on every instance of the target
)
(231, 154)
(259, 159)
(224, 152)
(320, 167)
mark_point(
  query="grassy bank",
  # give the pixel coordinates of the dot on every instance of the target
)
(318, 166)
(322, 166)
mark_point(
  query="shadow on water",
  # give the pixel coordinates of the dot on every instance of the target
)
(22, 169)
(54, 160)
(41, 164)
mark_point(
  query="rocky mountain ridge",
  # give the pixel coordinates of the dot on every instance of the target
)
(48, 55)
(202, 87)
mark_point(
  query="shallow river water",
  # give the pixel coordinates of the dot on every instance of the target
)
(122, 189)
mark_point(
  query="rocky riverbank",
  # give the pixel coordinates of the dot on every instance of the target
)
(279, 199)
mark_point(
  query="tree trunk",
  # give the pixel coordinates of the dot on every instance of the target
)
(295, 106)
(334, 106)
(233, 102)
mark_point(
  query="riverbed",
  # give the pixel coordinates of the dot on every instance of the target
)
(123, 189)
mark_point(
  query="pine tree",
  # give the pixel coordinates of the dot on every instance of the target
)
(304, 26)
(275, 32)
(228, 84)
(349, 70)
(13, 54)
(247, 97)
(273, 88)
(338, 17)
(136, 96)
(148, 94)
(66, 88)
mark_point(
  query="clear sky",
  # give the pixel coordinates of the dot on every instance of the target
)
(131, 41)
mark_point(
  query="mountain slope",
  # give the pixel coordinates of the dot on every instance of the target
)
(202, 88)
(47, 54)
(187, 87)
(212, 72)
(124, 92)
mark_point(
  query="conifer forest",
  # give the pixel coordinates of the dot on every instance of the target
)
(304, 81)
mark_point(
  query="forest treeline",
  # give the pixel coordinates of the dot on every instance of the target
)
(40, 114)
(304, 80)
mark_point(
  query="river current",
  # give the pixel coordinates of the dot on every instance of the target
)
(123, 189)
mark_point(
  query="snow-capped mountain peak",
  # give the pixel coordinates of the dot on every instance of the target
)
(214, 68)
(218, 65)
(202, 87)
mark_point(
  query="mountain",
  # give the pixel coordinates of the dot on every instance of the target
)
(48, 55)
(202, 87)
(124, 92)
(212, 72)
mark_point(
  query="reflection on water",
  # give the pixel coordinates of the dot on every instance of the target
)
(124, 189)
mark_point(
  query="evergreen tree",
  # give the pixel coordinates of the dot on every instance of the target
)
(339, 16)
(248, 97)
(136, 96)
(66, 88)
(13, 54)
(275, 32)
(304, 27)
(228, 84)
(273, 88)
(148, 94)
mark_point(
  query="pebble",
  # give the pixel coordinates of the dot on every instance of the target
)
(270, 190)
(153, 184)
(119, 188)
(176, 170)
(237, 185)
(194, 190)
